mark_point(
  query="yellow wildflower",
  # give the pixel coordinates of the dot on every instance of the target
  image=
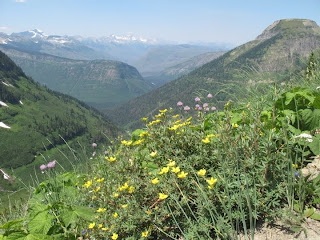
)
(206, 140)
(202, 172)
(100, 225)
(164, 170)
(176, 122)
(163, 196)
(145, 119)
(176, 116)
(114, 236)
(138, 142)
(155, 181)
(88, 184)
(171, 164)
(124, 205)
(234, 125)
(115, 215)
(115, 195)
(126, 143)
(144, 234)
(131, 189)
(163, 111)
(189, 119)
(100, 180)
(210, 136)
(100, 210)
(182, 174)
(91, 225)
(104, 229)
(153, 154)
(211, 181)
(97, 189)
(110, 159)
(148, 212)
(294, 165)
(175, 169)
(125, 186)
(94, 197)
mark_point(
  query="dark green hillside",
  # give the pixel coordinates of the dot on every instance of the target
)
(99, 83)
(173, 72)
(39, 118)
(275, 56)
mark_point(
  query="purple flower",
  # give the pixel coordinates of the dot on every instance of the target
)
(197, 99)
(199, 108)
(43, 167)
(209, 95)
(179, 104)
(206, 109)
(51, 164)
(186, 108)
(94, 145)
(213, 108)
(296, 174)
(205, 105)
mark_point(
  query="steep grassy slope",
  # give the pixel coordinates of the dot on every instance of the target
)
(35, 119)
(273, 56)
(99, 83)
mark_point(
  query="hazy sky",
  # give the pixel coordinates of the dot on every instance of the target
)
(233, 21)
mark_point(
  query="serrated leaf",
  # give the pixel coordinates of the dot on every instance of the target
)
(10, 224)
(84, 212)
(34, 236)
(16, 236)
(315, 216)
(68, 217)
(308, 212)
(41, 223)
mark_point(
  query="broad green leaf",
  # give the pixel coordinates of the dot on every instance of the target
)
(34, 236)
(308, 212)
(84, 212)
(16, 236)
(315, 216)
(41, 223)
(69, 216)
(315, 145)
(13, 223)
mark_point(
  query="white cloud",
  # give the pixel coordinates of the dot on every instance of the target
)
(20, 1)
(2, 28)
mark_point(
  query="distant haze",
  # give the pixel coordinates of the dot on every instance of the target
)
(183, 21)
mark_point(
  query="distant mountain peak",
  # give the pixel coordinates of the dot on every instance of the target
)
(128, 38)
(289, 26)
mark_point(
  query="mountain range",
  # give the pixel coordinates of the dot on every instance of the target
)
(38, 124)
(274, 56)
(99, 83)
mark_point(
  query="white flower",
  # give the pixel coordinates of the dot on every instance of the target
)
(307, 137)
(318, 88)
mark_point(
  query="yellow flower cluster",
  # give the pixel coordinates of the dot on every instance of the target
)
(207, 138)
(154, 122)
(87, 184)
(178, 125)
(126, 143)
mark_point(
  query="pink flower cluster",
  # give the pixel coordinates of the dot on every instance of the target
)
(49, 165)
(204, 107)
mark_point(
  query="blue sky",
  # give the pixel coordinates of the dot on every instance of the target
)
(233, 21)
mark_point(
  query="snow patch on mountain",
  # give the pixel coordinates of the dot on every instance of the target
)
(4, 125)
(3, 104)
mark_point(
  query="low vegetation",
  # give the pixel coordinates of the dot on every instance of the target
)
(199, 174)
